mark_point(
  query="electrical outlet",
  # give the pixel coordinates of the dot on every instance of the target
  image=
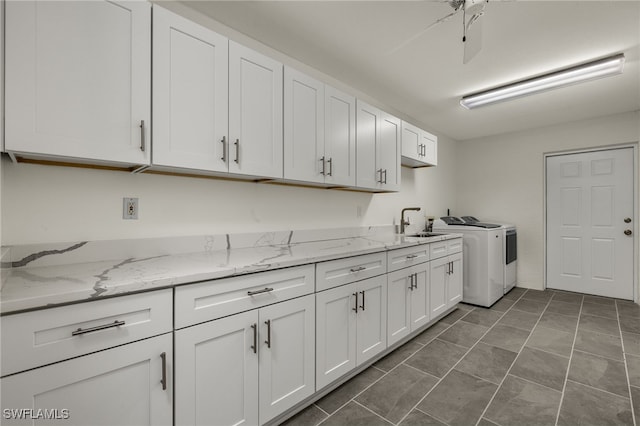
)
(130, 208)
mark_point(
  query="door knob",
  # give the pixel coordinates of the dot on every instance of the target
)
(627, 220)
(627, 232)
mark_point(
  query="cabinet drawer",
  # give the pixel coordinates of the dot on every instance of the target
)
(196, 303)
(454, 246)
(405, 257)
(343, 271)
(42, 337)
(445, 248)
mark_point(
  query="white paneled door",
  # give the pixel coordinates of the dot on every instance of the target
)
(591, 223)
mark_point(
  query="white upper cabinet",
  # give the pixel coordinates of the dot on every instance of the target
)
(78, 80)
(388, 152)
(429, 148)
(319, 131)
(419, 148)
(304, 158)
(378, 149)
(255, 113)
(190, 94)
(339, 137)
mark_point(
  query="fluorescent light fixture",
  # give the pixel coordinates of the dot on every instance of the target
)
(605, 67)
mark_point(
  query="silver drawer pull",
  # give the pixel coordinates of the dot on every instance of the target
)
(264, 290)
(80, 331)
(412, 256)
(358, 269)
(163, 380)
(142, 136)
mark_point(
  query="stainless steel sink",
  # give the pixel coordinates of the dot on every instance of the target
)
(425, 234)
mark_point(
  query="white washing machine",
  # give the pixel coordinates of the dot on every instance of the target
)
(509, 252)
(483, 265)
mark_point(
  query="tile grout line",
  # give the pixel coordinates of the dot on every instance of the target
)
(376, 414)
(353, 399)
(566, 376)
(626, 368)
(598, 389)
(514, 362)
(600, 356)
(320, 408)
(461, 358)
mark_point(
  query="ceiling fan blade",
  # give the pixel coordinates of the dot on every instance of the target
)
(472, 39)
(420, 33)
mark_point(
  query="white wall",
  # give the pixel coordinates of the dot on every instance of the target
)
(55, 204)
(502, 178)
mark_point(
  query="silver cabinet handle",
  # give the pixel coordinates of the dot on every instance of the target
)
(323, 171)
(355, 308)
(142, 138)
(415, 281)
(224, 149)
(237, 144)
(385, 176)
(411, 282)
(379, 171)
(412, 256)
(330, 161)
(358, 269)
(80, 331)
(627, 220)
(264, 290)
(268, 341)
(628, 232)
(163, 355)
(255, 338)
(362, 306)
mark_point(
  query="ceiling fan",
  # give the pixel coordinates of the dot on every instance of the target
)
(472, 11)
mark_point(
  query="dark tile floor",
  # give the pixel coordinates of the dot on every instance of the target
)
(534, 358)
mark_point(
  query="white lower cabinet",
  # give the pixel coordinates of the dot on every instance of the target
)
(247, 368)
(126, 385)
(446, 283)
(217, 372)
(408, 301)
(350, 327)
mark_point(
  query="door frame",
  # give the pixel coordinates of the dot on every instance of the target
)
(636, 187)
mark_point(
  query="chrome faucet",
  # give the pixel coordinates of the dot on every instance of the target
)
(403, 222)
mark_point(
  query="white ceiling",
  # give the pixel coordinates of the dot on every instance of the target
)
(351, 41)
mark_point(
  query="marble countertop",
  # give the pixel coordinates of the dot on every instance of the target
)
(35, 286)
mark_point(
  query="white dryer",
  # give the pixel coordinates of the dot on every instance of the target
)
(483, 265)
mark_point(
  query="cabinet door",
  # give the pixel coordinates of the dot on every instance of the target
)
(119, 386)
(429, 148)
(304, 157)
(340, 137)
(217, 372)
(367, 128)
(388, 152)
(438, 273)
(411, 140)
(335, 333)
(398, 305)
(371, 335)
(78, 79)
(255, 113)
(420, 296)
(190, 94)
(454, 284)
(287, 355)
